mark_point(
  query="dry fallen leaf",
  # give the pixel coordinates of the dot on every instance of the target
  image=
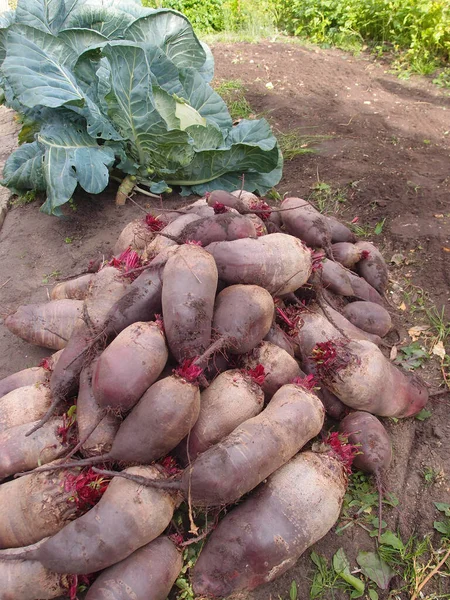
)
(445, 249)
(439, 350)
(402, 306)
(394, 352)
(417, 331)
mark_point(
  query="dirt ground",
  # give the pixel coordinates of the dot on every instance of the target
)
(388, 152)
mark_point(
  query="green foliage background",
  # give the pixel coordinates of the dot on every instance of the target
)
(417, 31)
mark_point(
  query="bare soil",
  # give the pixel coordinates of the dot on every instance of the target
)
(388, 152)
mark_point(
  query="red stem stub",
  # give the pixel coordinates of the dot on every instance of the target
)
(170, 465)
(289, 319)
(46, 364)
(331, 356)
(219, 208)
(342, 449)
(317, 260)
(160, 322)
(176, 538)
(309, 382)
(153, 223)
(257, 375)
(189, 371)
(67, 431)
(127, 261)
(261, 206)
(365, 254)
(193, 243)
(78, 583)
(86, 488)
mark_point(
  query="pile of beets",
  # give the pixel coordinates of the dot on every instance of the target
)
(192, 370)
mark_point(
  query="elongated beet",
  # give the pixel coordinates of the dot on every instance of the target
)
(232, 398)
(42, 505)
(347, 254)
(147, 574)
(188, 295)
(129, 366)
(243, 315)
(50, 324)
(369, 317)
(277, 336)
(339, 231)
(75, 289)
(315, 327)
(234, 466)
(142, 300)
(31, 376)
(349, 328)
(126, 518)
(305, 222)
(161, 419)
(374, 455)
(341, 281)
(199, 207)
(265, 535)
(24, 405)
(279, 366)
(219, 228)
(231, 200)
(230, 469)
(89, 414)
(21, 453)
(136, 235)
(359, 375)
(373, 266)
(374, 446)
(168, 236)
(106, 288)
(29, 579)
(258, 262)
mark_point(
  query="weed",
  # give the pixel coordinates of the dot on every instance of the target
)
(414, 297)
(293, 592)
(68, 240)
(423, 415)
(361, 504)
(327, 199)
(416, 561)
(25, 198)
(362, 231)
(337, 575)
(233, 94)
(274, 195)
(443, 78)
(294, 143)
(443, 526)
(53, 275)
(439, 324)
(412, 357)
(378, 229)
(183, 583)
(432, 475)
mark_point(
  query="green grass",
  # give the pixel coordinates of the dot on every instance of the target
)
(232, 92)
(295, 143)
(326, 198)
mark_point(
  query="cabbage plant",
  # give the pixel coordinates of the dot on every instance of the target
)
(109, 85)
